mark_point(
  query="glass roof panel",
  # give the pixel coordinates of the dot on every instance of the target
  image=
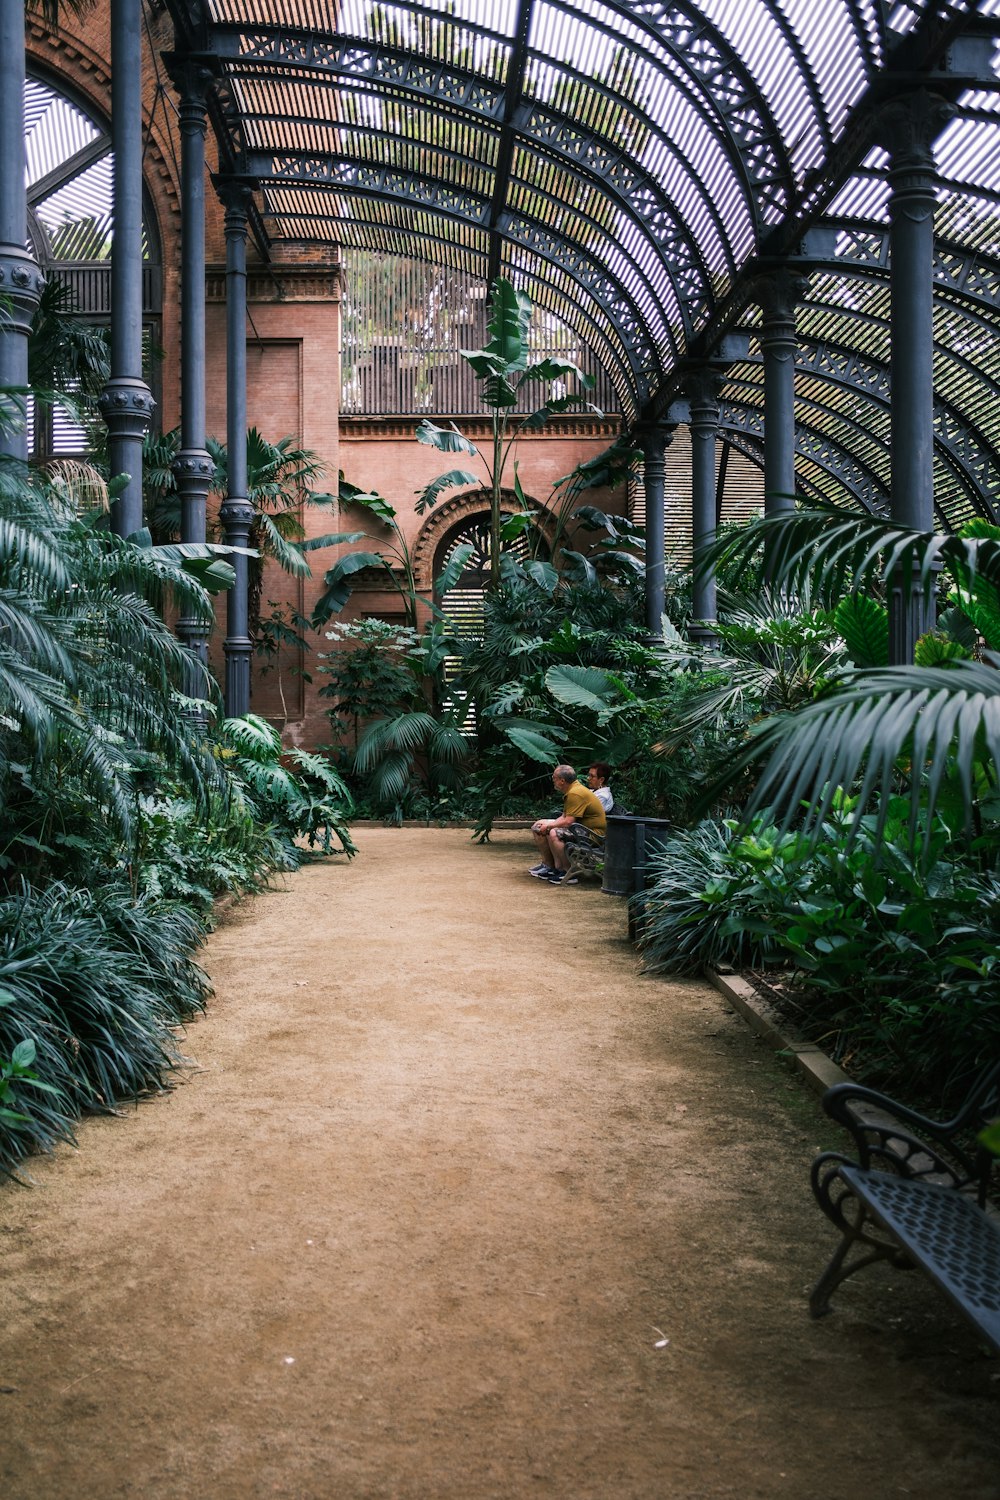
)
(626, 160)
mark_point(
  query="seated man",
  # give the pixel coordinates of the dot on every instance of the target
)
(582, 818)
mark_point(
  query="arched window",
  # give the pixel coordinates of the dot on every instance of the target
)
(462, 605)
(69, 187)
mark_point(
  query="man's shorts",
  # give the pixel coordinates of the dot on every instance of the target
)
(579, 833)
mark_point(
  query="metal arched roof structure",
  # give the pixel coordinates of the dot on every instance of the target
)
(633, 164)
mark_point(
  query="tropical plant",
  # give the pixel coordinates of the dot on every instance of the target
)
(393, 556)
(930, 731)
(772, 656)
(68, 359)
(372, 669)
(280, 476)
(279, 483)
(97, 982)
(411, 749)
(504, 367)
(890, 963)
(297, 793)
(88, 670)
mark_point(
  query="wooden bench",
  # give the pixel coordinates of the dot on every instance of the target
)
(918, 1194)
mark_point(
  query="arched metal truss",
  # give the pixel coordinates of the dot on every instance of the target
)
(631, 163)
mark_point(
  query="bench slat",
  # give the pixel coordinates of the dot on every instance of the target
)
(943, 1232)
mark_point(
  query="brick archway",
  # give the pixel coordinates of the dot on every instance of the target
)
(451, 516)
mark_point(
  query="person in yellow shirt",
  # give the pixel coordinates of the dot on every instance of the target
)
(582, 817)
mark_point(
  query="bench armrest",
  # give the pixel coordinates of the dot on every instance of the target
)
(890, 1134)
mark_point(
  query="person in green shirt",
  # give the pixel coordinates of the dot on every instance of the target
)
(582, 817)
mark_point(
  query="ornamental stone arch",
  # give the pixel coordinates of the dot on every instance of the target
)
(445, 521)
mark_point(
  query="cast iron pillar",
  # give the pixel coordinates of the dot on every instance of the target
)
(126, 402)
(236, 512)
(21, 280)
(192, 467)
(777, 292)
(654, 438)
(703, 394)
(910, 127)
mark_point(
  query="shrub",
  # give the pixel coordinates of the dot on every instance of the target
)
(96, 982)
(894, 959)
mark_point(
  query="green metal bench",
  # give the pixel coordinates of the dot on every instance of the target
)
(917, 1195)
(583, 858)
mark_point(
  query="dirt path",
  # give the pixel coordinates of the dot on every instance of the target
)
(461, 1206)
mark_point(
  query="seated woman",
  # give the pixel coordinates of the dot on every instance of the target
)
(598, 779)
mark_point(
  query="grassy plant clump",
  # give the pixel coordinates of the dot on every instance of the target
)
(96, 983)
(891, 953)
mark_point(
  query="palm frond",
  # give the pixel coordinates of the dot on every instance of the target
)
(940, 719)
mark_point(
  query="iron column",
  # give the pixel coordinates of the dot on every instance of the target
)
(236, 512)
(777, 293)
(703, 392)
(20, 277)
(192, 467)
(126, 402)
(909, 130)
(654, 438)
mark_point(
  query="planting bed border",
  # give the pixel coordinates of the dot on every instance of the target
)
(810, 1061)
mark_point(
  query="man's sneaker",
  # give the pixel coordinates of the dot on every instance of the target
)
(554, 877)
(542, 872)
(571, 880)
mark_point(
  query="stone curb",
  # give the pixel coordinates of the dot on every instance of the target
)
(819, 1070)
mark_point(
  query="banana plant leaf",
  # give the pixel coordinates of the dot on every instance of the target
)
(444, 439)
(337, 586)
(454, 479)
(580, 567)
(450, 574)
(541, 573)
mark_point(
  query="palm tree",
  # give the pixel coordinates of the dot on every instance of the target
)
(910, 730)
(90, 676)
(279, 480)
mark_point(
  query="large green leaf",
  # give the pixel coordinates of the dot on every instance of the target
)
(608, 469)
(450, 574)
(583, 687)
(934, 648)
(444, 439)
(541, 573)
(536, 746)
(556, 369)
(332, 539)
(580, 567)
(864, 624)
(612, 557)
(510, 319)
(337, 583)
(204, 561)
(372, 501)
(453, 480)
(978, 597)
(555, 407)
(485, 366)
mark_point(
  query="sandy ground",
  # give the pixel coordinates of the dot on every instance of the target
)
(459, 1204)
